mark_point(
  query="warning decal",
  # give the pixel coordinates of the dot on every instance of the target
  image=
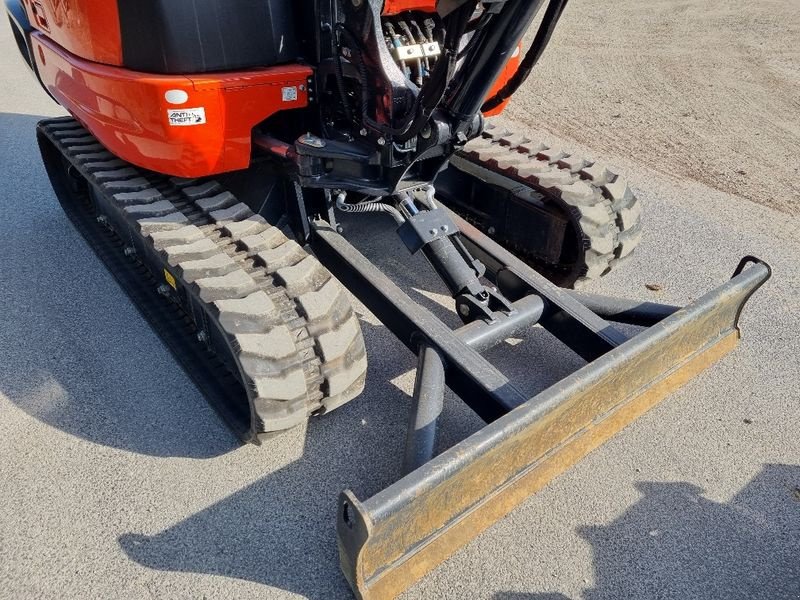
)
(183, 117)
(170, 280)
(289, 94)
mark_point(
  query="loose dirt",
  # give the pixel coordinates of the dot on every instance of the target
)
(703, 90)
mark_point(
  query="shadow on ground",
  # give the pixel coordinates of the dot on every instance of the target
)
(674, 543)
(76, 354)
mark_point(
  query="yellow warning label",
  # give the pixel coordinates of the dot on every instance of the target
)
(170, 279)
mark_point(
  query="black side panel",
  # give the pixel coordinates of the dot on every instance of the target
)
(199, 36)
(21, 28)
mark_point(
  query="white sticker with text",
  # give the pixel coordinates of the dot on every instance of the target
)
(184, 117)
(289, 94)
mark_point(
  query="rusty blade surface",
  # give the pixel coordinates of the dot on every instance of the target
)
(391, 540)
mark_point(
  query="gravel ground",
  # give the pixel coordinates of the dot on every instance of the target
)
(706, 91)
(119, 481)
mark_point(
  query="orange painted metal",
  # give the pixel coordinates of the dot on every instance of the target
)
(507, 74)
(128, 112)
(393, 7)
(78, 54)
(86, 28)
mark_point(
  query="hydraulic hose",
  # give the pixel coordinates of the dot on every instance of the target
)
(431, 93)
(549, 22)
(369, 206)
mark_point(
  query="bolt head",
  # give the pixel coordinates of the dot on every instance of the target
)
(202, 336)
(434, 232)
(312, 141)
(464, 310)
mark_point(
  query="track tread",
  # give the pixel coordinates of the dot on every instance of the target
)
(289, 322)
(599, 201)
(217, 202)
(161, 208)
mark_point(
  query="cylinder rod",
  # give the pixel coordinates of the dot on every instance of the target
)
(425, 412)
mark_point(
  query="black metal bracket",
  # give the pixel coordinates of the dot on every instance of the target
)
(426, 227)
(454, 358)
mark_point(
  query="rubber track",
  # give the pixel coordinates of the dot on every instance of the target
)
(600, 203)
(290, 326)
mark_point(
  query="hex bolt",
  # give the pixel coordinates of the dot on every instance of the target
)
(434, 232)
(163, 289)
(445, 229)
(381, 141)
(202, 337)
(313, 141)
(464, 310)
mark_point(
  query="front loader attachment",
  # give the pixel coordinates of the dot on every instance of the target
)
(391, 540)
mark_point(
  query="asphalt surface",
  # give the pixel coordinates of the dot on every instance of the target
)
(117, 480)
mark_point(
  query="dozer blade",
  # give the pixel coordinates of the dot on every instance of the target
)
(391, 540)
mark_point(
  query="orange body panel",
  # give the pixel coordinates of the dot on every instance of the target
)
(86, 28)
(128, 111)
(508, 73)
(393, 7)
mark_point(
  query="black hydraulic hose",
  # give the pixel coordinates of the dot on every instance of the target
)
(546, 29)
(426, 101)
(340, 80)
(361, 68)
(423, 39)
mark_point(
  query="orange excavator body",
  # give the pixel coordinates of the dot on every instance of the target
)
(187, 125)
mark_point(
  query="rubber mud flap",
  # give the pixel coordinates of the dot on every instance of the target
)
(391, 540)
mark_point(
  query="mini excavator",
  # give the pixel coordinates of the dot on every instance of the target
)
(214, 150)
